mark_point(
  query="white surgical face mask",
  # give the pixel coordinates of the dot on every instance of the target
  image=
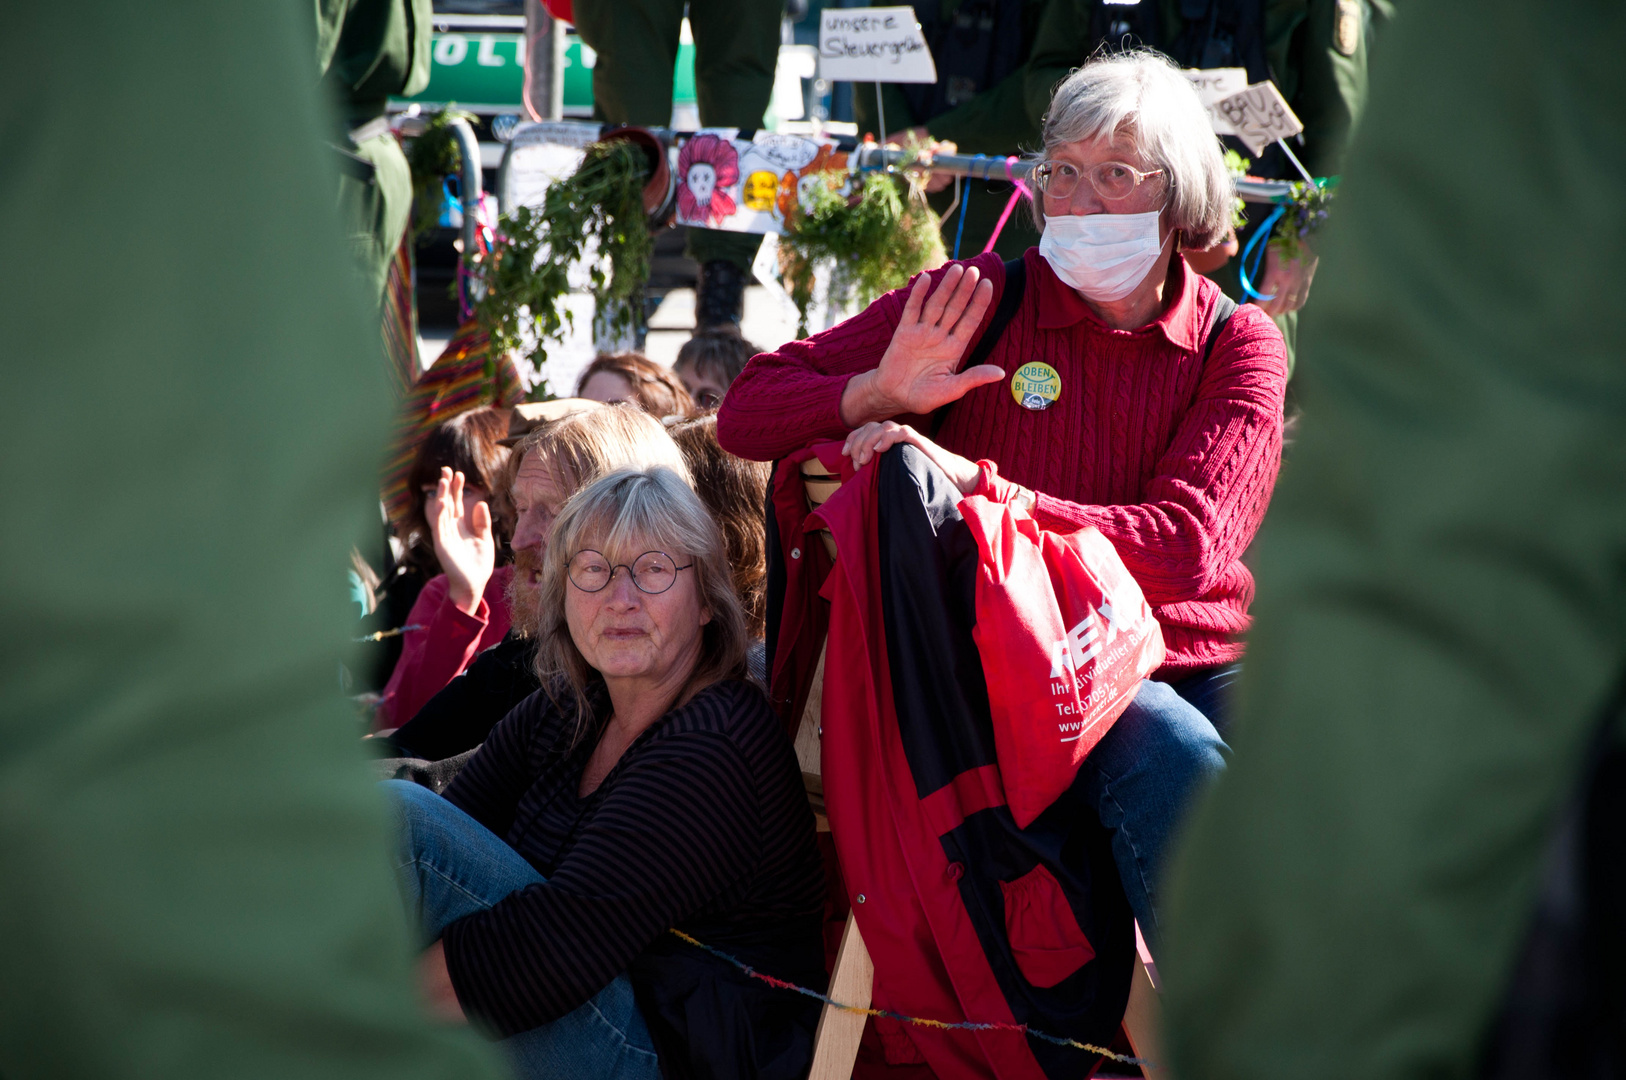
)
(1103, 256)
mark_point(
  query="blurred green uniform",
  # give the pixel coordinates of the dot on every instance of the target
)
(1316, 51)
(1442, 577)
(197, 873)
(736, 46)
(366, 51)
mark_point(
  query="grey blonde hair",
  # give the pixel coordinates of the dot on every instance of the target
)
(1142, 94)
(580, 446)
(633, 511)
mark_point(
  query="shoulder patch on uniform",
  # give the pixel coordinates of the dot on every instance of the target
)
(1346, 27)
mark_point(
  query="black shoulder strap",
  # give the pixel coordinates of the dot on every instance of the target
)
(1016, 276)
(1016, 279)
(1222, 318)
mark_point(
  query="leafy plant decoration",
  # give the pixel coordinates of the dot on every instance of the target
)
(596, 215)
(1306, 206)
(872, 241)
(433, 155)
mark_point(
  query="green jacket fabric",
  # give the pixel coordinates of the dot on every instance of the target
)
(366, 51)
(1442, 577)
(198, 877)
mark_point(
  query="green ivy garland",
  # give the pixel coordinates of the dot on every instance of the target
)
(526, 273)
(876, 240)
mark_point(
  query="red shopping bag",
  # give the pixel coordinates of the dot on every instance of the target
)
(1065, 636)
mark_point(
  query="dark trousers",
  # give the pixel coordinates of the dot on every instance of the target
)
(736, 46)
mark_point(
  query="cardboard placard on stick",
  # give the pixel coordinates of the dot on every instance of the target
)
(877, 44)
(1260, 116)
(1214, 85)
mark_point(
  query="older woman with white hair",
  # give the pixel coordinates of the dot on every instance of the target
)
(1107, 386)
(647, 786)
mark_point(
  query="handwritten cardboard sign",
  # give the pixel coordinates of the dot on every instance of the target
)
(1260, 116)
(878, 44)
(1214, 85)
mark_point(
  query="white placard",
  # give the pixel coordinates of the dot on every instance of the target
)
(1260, 116)
(1214, 85)
(878, 44)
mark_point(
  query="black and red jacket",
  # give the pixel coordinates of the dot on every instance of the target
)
(967, 916)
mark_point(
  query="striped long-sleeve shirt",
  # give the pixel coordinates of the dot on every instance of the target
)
(703, 824)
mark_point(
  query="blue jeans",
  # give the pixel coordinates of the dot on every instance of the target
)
(1141, 776)
(450, 866)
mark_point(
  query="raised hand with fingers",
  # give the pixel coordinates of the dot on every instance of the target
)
(919, 370)
(463, 540)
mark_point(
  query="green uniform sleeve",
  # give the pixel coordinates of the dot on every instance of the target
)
(1318, 53)
(198, 872)
(1441, 611)
(1001, 120)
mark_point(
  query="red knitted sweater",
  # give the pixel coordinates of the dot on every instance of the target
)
(1171, 459)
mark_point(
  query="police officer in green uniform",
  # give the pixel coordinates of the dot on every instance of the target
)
(1440, 626)
(736, 46)
(367, 51)
(999, 60)
(197, 865)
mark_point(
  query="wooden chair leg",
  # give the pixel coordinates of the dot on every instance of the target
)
(835, 1043)
(1143, 1019)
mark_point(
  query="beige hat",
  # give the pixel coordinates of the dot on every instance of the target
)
(527, 416)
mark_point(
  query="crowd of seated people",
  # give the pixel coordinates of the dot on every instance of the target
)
(630, 376)
(622, 772)
(548, 466)
(710, 361)
(456, 539)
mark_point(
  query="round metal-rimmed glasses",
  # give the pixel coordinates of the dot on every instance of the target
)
(1110, 179)
(653, 572)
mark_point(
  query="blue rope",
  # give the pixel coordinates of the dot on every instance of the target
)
(1262, 233)
(959, 230)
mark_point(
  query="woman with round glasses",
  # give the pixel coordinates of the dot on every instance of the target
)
(1119, 393)
(647, 786)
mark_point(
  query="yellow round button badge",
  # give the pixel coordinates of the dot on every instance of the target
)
(1036, 386)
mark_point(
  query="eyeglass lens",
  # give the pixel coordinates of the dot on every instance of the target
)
(652, 572)
(1110, 179)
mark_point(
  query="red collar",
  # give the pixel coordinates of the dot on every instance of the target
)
(1060, 306)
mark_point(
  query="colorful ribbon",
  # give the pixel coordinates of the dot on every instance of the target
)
(918, 1021)
(1261, 234)
(1005, 215)
(382, 634)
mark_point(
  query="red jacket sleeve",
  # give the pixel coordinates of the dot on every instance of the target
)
(785, 399)
(1212, 486)
(449, 640)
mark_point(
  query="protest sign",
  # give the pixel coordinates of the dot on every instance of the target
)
(1214, 85)
(748, 185)
(1260, 116)
(879, 44)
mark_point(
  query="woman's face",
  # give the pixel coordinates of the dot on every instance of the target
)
(608, 387)
(625, 633)
(707, 390)
(1150, 194)
(702, 180)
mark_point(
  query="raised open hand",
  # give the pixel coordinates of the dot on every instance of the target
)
(918, 372)
(463, 541)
